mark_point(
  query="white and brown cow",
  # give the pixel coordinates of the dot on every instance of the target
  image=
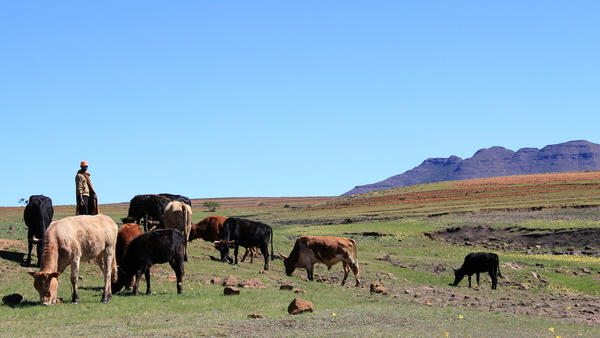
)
(71, 241)
(178, 215)
(327, 250)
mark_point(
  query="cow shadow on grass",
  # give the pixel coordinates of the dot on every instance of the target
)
(17, 257)
(20, 305)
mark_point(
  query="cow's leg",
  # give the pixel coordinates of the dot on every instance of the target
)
(346, 271)
(107, 268)
(248, 250)
(177, 266)
(30, 247)
(148, 288)
(354, 268)
(235, 254)
(309, 271)
(477, 275)
(74, 277)
(136, 285)
(469, 280)
(494, 278)
(264, 249)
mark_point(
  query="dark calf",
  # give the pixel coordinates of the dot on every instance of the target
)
(477, 262)
(145, 250)
(38, 216)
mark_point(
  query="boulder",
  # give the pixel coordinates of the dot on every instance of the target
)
(300, 305)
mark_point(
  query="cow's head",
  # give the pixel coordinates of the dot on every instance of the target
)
(46, 283)
(122, 280)
(223, 247)
(289, 264)
(458, 276)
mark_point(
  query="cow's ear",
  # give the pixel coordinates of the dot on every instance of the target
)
(55, 274)
(31, 273)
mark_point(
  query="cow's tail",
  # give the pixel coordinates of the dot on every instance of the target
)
(355, 252)
(187, 221)
(498, 269)
(272, 253)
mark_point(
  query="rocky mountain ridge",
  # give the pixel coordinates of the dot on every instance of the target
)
(495, 161)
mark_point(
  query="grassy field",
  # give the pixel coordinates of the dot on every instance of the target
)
(541, 295)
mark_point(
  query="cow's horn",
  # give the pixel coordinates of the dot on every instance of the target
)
(34, 240)
(282, 255)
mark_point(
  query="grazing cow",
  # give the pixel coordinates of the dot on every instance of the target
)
(37, 215)
(477, 262)
(242, 232)
(126, 234)
(154, 247)
(327, 250)
(179, 198)
(208, 229)
(71, 241)
(178, 215)
(146, 207)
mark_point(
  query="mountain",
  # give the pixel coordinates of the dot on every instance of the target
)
(496, 161)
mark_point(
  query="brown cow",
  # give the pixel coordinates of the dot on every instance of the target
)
(178, 215)
(208, 229)
(327, 250)
(73, 240)
(127, 232)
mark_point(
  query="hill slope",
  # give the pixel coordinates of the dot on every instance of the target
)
(493, 162)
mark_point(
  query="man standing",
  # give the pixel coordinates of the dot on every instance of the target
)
(87, 200)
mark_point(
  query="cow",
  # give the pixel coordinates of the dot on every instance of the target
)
(127, 232)
(71, 241)
(154, 247)
(38, 216)
(477, 262)
(327, 250)
(242, 232)
(208, 229)
(179, 198)
(178, 215)
(146, 207)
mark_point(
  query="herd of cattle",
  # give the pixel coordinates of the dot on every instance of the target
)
(125, 254)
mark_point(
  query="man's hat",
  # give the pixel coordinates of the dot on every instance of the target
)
(83, 164)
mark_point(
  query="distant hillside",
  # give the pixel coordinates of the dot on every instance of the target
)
(496, 161)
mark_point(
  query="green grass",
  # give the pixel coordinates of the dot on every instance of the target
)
(405, 261)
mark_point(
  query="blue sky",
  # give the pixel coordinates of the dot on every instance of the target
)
(281, 98)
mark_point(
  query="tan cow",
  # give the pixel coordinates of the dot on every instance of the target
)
(71, 241)
(327, 250)
(178, 216)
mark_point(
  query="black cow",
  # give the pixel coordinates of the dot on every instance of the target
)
(477, 262)
(147, 249)
(146, 207)
(179, 198)
(238, 232)
(37, 215)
